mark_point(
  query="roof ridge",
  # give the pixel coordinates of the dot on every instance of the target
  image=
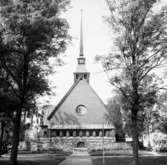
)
(63, 99)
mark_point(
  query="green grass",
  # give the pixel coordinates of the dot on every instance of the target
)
(129, 161)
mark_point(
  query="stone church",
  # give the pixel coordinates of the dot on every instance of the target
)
(78, 119)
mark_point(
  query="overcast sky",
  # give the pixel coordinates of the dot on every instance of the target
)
(97, 41)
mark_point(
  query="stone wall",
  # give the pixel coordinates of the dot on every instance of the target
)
(90, 142)
(67, 143)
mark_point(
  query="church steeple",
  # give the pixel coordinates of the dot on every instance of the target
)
(81, 72)
(81, 59)
(81, 38)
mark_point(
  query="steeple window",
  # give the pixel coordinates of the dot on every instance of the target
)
(81, 60)
(85, 76)
(77, 76)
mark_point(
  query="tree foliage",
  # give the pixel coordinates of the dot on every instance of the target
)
(159, 114)
(114, 116)
(141, 48)
(31, 32)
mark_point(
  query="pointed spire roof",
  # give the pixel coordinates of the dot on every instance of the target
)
(81, 67)
(81, 53)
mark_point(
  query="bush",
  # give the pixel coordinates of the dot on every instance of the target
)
(159, 141)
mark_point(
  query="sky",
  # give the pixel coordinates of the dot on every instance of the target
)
(97, 39)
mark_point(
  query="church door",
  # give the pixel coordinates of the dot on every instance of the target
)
(80, 144)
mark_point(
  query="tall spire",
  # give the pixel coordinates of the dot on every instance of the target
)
(81, 37)
(81, 72)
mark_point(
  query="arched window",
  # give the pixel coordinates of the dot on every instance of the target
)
(67, 133)
(87, 133)
(80, 133)
(94, 133)
(74, 133)
(61, 134)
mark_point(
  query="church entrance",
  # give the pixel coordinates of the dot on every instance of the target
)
(80, 144)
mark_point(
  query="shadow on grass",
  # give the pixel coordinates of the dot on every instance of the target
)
(129, 161)
(29, 158)
(119, 153)
(111, 153)
(37, 162)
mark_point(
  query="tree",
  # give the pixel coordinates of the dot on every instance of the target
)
(119, 114)
(8, 104)
(141, 48)
(114, 115)
(32, 32)
(159, 114)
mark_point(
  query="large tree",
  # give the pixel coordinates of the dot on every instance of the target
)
(32, 31)
(141, 42)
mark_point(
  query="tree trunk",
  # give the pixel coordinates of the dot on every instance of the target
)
(15, 139)
(17, 124)
(135, 139)
(1, 138)
(148, 129)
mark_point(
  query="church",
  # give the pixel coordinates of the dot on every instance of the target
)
(78, 120)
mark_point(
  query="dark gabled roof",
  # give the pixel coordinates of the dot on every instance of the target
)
(63, 99)
(67, 94)
(98, 97)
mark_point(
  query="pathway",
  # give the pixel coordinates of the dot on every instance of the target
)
(78, 158)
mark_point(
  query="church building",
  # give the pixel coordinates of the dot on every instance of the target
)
(78, 120)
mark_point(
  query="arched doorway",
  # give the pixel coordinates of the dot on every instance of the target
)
(80, 144)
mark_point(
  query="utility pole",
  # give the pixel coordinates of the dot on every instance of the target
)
(103, 145)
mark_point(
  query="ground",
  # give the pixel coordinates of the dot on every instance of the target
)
(126, 158)
(84, 158)
(129, 161)
(36, 158)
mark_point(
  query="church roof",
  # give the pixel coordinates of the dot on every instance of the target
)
(68, 93)
(63, 99)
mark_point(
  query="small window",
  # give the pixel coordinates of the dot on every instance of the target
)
(81, 60)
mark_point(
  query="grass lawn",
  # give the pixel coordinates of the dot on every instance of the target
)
(36, 158)
(125, 157)
(111, 153)
(55, 161)
(119, 153)
(129, 161)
